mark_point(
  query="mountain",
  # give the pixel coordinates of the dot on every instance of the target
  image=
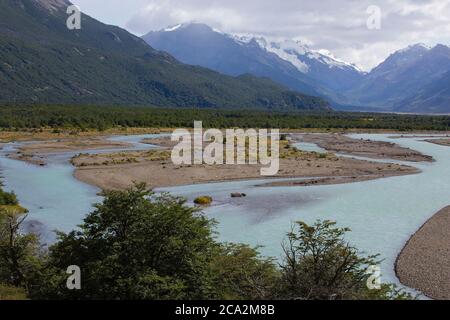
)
(287, 62)
(398, 80)
(41, 61)
(413, 79)
(198, 44)
(321, 66)
(432, 98)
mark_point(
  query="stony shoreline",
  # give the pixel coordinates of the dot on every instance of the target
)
(424, 263)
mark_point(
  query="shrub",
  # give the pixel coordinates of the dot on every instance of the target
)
(320, 265)
(7, 198)
(203, 200)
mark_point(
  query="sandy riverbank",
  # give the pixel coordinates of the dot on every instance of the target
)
(165, 174)
(424, 263)
(332, 180)
(372, 149)
(120, 170)
(441, 142)
(36, 152)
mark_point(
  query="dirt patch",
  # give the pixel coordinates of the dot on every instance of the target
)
(120, 170)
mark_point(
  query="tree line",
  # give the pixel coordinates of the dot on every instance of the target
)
(16, 117)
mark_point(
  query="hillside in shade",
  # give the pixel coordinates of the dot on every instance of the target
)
(44, 62)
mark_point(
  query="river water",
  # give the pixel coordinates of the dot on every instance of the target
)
(382, 213)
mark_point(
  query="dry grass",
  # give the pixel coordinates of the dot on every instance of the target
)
(85, 160)
(11, 293)
(52, 134)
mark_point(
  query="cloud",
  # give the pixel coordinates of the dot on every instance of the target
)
(336, 25)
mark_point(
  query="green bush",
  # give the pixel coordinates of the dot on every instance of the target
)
(320, 265)
(12, 293)
(203, 200)
(8, 198)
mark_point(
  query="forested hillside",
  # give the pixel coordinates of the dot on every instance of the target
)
(44, 62)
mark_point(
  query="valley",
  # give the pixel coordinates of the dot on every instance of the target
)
(224, 151)
(410, 80)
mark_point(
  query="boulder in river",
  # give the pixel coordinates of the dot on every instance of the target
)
(238, 195)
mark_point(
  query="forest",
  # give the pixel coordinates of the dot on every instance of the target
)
(14, 117)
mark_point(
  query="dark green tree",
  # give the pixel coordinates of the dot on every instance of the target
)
(136, 245)
(320, 265)
(241, 273)
(20, 257)
(7, 198)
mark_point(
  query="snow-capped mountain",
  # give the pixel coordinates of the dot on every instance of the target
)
(400, 60)
(412, 76)
(288, 62)
(297, 53)
(320, 65)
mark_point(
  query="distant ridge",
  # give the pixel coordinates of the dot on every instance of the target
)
(289, 63)
(413, 79)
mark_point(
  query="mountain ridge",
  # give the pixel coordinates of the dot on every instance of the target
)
(388, 87)
(198, 44)
(238, 61)
(395, 82)
(43, 62)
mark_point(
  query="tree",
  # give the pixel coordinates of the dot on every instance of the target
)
(241, 273)
(19, 253)
(7, 198)
(136, 245)
(320, 265)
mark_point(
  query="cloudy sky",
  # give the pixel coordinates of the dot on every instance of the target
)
(339, 26)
